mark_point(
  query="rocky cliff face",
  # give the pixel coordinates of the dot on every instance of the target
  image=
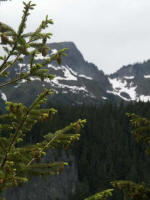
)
(132, 82)
(78, 81)
(56, 187)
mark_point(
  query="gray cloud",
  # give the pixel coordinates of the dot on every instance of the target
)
(109, 33)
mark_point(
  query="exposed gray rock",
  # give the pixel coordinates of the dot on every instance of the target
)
(81, 82)
(57, 187)
(77, 81)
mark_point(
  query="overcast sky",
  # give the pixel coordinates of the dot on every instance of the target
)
(109, 33)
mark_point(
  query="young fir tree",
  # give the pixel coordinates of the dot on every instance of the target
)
(131, 190)
(19, 163)
(141, 132)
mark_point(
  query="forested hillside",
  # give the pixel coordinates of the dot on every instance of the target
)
(107, 150)
(107, 154)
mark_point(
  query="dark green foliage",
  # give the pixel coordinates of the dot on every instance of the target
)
(18, 162)
(133, 191)
(106, 151)
(18, 44)
(101, 195)
(141, 129)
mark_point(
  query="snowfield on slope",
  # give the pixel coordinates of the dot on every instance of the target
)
(121, 86)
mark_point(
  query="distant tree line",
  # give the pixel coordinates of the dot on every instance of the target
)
(106, 151)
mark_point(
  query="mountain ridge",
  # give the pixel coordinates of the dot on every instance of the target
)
(79, 81)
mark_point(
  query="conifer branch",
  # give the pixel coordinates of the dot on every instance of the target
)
(16, 163)
(9, 65)
(22, 25)
(26, 115)
(14, 81)
(3, 67)
(60, 133)
(33, 159)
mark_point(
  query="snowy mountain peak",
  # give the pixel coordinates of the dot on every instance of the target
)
(78, 81)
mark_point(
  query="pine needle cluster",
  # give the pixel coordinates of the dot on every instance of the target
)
(19, 163)
(131, 190)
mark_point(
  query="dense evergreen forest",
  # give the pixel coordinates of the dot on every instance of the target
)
(106, 150)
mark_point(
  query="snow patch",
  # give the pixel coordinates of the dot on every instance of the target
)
(144, 98)
(69, 74)
(129, 77)
(74, 89)
(72, 71)
(54, 67)
(3, 96)
(53, 51)
(131, 84)
(87, 77)
(120, 86)
(21, 65)
(23, 81)
(146, 76)
(105, 98)
(34, 78)
(64, 92)
(117, 94)
(40, 57)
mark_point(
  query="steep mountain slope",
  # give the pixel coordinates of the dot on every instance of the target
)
(76, 82)
(132, 82)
